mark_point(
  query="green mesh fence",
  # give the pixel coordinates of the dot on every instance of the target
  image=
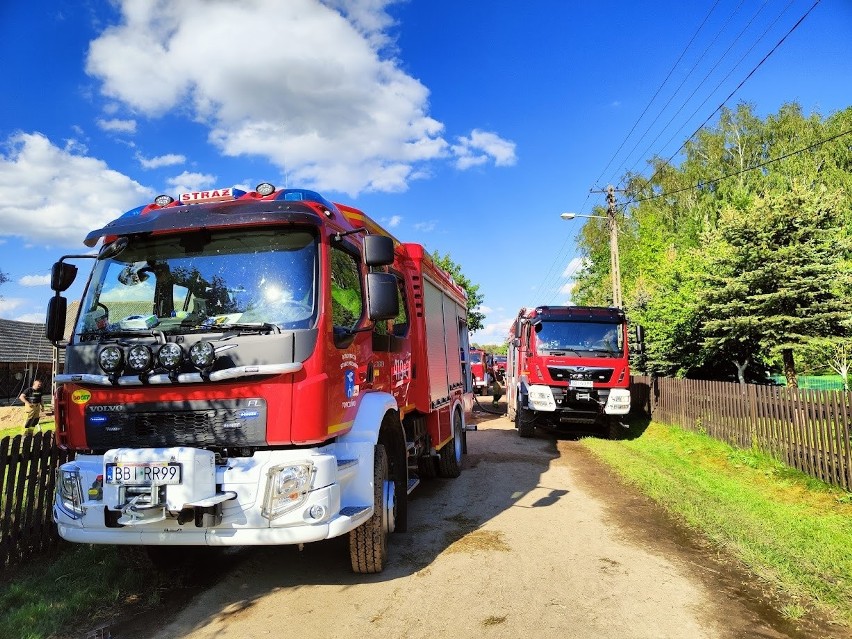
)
(815, 382)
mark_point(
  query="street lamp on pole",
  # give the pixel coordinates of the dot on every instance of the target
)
(614, 266)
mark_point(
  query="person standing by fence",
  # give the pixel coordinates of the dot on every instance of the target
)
(31, 398)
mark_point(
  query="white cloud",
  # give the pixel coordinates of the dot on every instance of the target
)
(170, 159)
(576, 264)
(481, 147)
(64, 212)
(34, 280)
(494, 332)
(187, 181)
(393, 221)
(140, 291)
(33, 318)
(118, 126)
(425, 227)
(328, 104)
(484, 309)
(9, 304)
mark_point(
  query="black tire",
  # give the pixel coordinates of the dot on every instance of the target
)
(368, 543)
(449, 457)
(614, 429)
(525, 421)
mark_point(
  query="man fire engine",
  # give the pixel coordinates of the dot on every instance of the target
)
(568, 366)
(250, 368)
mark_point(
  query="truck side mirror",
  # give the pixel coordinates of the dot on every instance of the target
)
(640, 339)
(54, 325)
(378, 250)
(382, 296)
(62, 276)
(516, 342)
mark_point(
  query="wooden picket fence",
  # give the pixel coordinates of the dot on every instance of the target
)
(27, 480)
(805, 429)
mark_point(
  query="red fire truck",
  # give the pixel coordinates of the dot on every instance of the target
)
(567, 367)
(479, 368)
(255, 368)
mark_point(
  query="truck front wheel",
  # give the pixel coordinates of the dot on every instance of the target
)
(614, 428)
(368, 543)
(524, 420)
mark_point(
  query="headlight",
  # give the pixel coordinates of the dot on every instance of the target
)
(69, 491)
(139, 358)
(286, 488)
(202, 354)
(170, 356)
(110, 359)
(541, 398)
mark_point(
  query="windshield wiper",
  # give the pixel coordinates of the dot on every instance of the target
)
(122, 332)
(561, 352)
(608, 351)
(260, 327)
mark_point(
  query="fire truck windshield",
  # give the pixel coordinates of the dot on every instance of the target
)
(191, 283)
(600, 338)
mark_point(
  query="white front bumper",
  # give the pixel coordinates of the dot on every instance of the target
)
(336, 491)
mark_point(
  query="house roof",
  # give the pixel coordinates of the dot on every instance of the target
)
(24, 342)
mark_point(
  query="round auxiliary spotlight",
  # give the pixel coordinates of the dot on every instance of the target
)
(163, 200)
(139, 358)
(264, 189)
(111, 359)
(202, 355)
(170, 356)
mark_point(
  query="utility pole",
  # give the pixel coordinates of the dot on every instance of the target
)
(612, 224)
(615, 267)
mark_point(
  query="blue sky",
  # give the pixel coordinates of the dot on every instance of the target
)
(465, 126)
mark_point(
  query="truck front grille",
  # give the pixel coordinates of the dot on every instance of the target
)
(567, 373)
(240, 422)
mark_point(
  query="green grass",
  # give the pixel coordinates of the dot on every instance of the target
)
(76, 589)
(791, 530)
(46, 423)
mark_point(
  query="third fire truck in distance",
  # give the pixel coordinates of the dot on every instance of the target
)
(480, 370)
(568, 368)
(255, 368)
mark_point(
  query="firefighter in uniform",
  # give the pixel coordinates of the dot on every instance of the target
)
(31, 398)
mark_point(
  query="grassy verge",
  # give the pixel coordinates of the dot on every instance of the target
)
(789, 529)
(75, 590)
(10, 430)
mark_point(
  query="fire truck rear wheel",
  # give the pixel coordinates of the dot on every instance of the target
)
(524, 420)
(368, 543)
(449, 457)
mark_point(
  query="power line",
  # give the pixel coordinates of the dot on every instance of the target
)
(760, 165)
(719, 84)
(707, 76)
(563, 253)
(680, 86)
(737, 88)
(659, 88)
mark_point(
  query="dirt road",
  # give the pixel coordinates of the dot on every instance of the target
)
(535, 539)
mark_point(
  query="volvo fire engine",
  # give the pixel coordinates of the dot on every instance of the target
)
(255, 368)
(568, 367)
